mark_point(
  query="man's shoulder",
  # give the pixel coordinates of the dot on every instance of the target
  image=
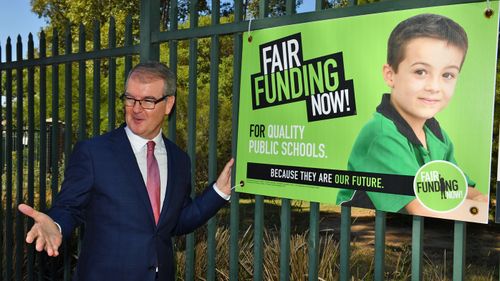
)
(104, 139)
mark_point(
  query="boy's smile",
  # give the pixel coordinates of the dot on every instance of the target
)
(425, 80)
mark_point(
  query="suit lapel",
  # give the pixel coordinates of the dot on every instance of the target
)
(170, 180)
(123, 151)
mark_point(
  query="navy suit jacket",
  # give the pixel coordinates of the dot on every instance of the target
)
(104, 189)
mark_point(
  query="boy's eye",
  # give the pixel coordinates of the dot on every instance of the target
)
(449, 75)
(420, 72)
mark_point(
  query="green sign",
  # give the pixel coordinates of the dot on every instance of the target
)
(325, 116)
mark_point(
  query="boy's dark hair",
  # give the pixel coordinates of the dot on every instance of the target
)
(427, 26)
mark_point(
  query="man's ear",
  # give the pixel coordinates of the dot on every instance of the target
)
(170, 104)
(388, 74)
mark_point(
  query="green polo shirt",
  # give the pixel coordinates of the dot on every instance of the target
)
(388, 145)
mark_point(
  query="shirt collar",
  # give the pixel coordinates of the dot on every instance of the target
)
(386, 109)
(139, 142)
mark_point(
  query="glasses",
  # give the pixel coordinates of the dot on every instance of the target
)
(147, 103)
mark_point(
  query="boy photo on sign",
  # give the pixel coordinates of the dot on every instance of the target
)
(424, 58)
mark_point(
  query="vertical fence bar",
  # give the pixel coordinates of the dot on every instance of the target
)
(314, 221)
(68, 100)
(172, 49)
(286, 207)
(112, 77)
(82, 107)
(345, 243)
(235, 197)
(263, 8)
(285, 240)
(417, 248)
(212, 137)
(55, 131)
(459, 238)
(55, 117)
(313, 240)
(258, 244)
(43, 143)
(68, 125)
(20, 164)
(96, 97)
(128, 42)
(8, 166)
(149, 24)
(193, 56)
(2, 157)
(319, 5)
(290, 7)
(31, 153)
(380, 221)
(258, 258)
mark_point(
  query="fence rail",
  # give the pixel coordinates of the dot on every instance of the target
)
(31, 167)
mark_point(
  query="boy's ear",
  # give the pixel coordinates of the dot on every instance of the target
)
(388, 74)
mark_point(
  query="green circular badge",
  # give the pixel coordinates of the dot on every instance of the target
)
(440, 186)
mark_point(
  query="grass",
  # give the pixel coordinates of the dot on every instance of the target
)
(481, 263)
(398, 260)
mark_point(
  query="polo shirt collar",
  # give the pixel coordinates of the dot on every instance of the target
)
(386, 109)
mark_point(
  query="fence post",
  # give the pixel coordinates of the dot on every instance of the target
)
(212, 138)
(416, 248)
(380, 224)
(2, 155)
(19, 221)
(235, 197)
(459, 238)
(149, 23)
(345, 243)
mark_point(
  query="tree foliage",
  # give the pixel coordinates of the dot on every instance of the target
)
(62, 13)
(274, 7)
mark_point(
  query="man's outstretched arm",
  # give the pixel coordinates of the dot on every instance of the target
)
(44, 233)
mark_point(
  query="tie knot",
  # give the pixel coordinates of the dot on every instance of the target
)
(151, 145)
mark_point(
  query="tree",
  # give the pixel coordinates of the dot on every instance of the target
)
(275, 7)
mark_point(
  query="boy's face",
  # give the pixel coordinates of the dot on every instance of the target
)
(425, 80)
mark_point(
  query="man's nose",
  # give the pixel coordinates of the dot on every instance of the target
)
(137, 106)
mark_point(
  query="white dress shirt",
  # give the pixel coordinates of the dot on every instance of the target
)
(139, 146)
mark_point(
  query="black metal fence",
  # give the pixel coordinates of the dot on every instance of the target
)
(57, 86)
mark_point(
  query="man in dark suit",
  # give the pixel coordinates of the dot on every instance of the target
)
(131, 187)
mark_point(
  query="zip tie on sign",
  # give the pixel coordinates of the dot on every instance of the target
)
(242, 183)
(249, 29)
(488, 12)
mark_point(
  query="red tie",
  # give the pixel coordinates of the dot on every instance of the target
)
(153, 180)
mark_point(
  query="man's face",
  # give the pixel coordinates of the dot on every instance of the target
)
(146, 122)
(426, 79)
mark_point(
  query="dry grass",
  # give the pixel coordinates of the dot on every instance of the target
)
(398, 260)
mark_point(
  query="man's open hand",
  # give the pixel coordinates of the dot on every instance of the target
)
(44, 232)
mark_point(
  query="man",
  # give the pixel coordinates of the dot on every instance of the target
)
(112, 185)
